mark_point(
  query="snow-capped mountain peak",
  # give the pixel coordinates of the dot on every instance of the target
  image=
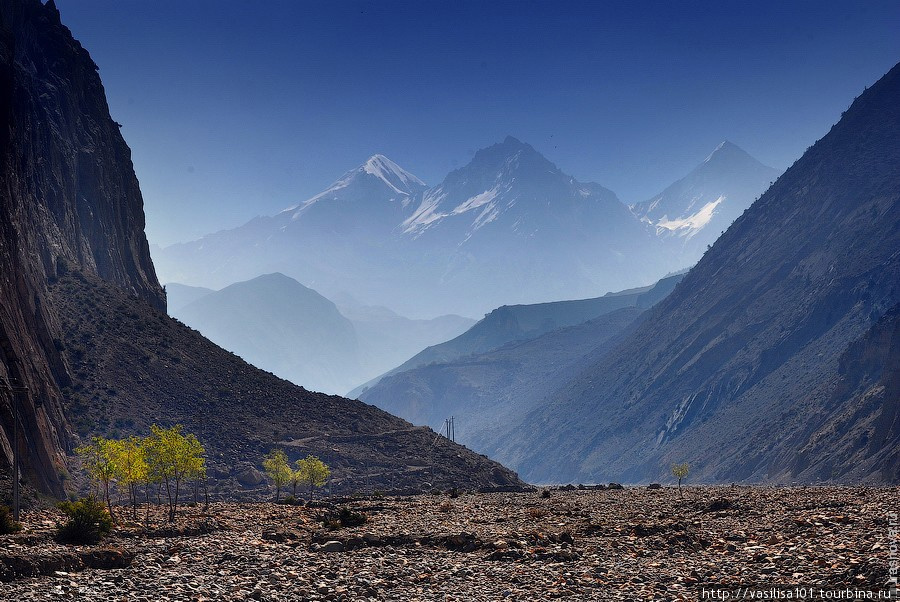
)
(392, 174)
(509, 185)
(727, 153)
(709, 198)
(377, 178)
(722, 145)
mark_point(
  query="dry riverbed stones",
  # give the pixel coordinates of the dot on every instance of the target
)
(577, 544)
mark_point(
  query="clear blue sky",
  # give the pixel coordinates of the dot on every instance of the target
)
(237, 108)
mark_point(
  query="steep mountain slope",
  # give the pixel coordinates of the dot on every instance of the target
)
(511, 227)
(738, 368)
(868, 392)
(486, 392)
(698, 207)
(524, 322)
(67, 194)
(507, 227)
(277, 324)
(134, 367)
(82, 320)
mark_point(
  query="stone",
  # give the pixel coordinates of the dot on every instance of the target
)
(332, 546)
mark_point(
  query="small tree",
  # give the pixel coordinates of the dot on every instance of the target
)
(99, 460)
(313, 472)
(278, 470)
(680, 471)
(171, 458)
(131, 467)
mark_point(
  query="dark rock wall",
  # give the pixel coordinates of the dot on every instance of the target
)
(68, 198)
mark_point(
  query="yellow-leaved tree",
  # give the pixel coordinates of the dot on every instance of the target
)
(679, 471)
(98, 458)
(278, 470)
(172, 458)
(131, 467)
(311, 471)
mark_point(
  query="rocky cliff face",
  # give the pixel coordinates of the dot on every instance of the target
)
(82, 315)
(68, 197)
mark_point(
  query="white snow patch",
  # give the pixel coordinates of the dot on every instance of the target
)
(691, 224)
(476, 201)
(425, 214)
(488, 215)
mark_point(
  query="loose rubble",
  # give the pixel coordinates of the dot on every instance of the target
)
(587, 544)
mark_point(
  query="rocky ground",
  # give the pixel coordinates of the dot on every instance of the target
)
(627, 544)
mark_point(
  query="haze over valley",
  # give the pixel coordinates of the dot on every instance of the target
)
(390, 301)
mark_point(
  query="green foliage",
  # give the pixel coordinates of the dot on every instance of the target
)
(99, 458)
(7, 524)
(173, 457)
(312, 472)
(680, 471)
(88, 522)
(131, 466)
(279, 471)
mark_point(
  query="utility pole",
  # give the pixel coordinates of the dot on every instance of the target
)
(450, 428)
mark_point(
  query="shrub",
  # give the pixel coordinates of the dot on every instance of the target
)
(7, 524)
(345, 517)
(88, 521)
(349, 518)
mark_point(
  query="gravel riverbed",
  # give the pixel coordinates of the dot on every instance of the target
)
(622, 544)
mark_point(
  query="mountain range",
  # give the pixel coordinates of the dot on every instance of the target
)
(507, 228)
(505, 365)
(279, 325)
(771, 360)
(84, 338)
(514, 323)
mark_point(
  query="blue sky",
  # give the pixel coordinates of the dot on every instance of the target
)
(237, 108)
